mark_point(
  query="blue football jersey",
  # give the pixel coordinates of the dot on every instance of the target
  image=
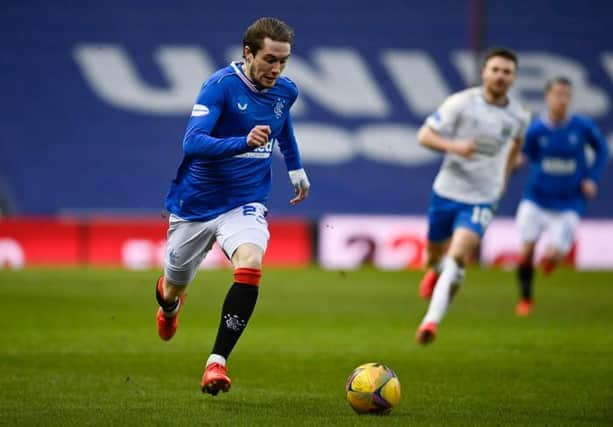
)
(219, 171)
(559, 163)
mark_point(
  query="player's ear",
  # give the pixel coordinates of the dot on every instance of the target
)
(247, 54)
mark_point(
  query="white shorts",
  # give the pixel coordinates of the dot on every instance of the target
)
(188, 242)
(532, 220)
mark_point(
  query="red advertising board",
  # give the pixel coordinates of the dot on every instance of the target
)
(129, 243)
(40, 241)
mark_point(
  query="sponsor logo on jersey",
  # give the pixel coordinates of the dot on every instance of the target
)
(559, 166)
(262, 152)
(200, 110)
(241, 107)
(488, 146)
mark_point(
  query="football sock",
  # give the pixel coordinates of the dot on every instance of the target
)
(548, 265)
(450, 276)
(169, 308)
(525, 274)
(237, 308)
(216, 358)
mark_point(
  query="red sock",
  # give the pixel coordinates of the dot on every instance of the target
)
(547, 265)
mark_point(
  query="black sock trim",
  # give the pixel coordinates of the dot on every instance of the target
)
(168, 307)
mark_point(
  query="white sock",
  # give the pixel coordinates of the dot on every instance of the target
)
(441, 297)
(216, 358)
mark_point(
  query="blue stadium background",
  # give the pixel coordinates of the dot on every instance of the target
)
(65, 147)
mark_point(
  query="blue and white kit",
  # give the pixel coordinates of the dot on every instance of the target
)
(552, 197)
(222, 185)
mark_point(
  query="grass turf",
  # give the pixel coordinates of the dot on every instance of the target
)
(79, 347)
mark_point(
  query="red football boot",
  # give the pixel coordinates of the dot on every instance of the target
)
(167, 325)
(426, 287)
(426, 333)
(215, 379)
(524, 308)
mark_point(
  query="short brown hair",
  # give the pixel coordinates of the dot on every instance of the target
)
(502, 52)
(273, 28)
(564, 81)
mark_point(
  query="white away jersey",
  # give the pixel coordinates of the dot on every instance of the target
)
(465, 115)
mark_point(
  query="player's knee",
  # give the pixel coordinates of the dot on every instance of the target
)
(248, 256)
(526, 255)
(434, 255)
(178, 278)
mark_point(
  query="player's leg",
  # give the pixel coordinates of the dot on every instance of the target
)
(244, 235)
(434, 253)
(530, 220)
(561, 235)
(525, 277)
(470, 224)
(187, 244)
(440, 228)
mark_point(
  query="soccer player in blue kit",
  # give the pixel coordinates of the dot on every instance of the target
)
(561, 181)
(223, 182)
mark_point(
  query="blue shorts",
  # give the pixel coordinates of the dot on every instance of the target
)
(445, 215)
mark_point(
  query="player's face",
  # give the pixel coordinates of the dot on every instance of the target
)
(266, 66)
(498, 75)
(557, 99)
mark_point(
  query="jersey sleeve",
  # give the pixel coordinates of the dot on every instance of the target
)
(601, 150)
(289, 146)
(198, 141)
(530, 147)
(445, 119)
(524, 121)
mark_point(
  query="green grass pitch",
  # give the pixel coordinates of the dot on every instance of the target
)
(79, 347)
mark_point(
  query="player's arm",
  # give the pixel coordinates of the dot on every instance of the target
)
(529, 148)
(442, 123)
(433, 140)
(589, 185)
(513, 159)
(198, 141)
(293, 162)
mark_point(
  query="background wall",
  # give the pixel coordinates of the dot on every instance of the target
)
(95, 97)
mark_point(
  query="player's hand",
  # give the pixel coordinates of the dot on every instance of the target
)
(301, 184)
(258, 136)
(464, 148)
(589, 188)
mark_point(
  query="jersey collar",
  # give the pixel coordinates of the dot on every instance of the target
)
(547, 121)
(238, 69)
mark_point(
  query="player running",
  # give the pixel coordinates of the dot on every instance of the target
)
(223, 183)
(480, 131)
(561, 181)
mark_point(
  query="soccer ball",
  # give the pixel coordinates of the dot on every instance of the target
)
(373, 388)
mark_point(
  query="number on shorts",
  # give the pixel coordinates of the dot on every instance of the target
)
(482, 215)
(249, 210)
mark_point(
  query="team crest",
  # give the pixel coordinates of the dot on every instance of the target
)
(278, 107)
(507, 128)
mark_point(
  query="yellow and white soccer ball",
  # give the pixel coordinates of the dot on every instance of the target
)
(373, 388)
